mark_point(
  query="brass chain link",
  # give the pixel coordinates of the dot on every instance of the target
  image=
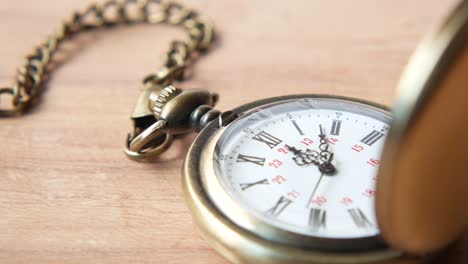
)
(33, 73)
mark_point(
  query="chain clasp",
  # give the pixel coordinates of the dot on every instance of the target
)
(162, 112)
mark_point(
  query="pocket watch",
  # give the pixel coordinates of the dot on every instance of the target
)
(299, 178)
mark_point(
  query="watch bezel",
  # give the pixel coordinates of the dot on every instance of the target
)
(198, 167)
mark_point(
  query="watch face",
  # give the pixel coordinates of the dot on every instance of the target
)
(306, 166)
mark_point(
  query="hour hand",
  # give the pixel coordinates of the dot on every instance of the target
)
(294, 150)
(304, 158)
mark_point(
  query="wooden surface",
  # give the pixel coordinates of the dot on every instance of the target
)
(68, 194)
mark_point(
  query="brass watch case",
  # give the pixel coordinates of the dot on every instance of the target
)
(238, 244)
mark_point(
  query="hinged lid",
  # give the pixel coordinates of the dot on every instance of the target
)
(422, 191)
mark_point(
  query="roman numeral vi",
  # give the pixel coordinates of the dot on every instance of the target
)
(317, 218)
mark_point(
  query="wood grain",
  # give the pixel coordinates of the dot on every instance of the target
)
(68, 194)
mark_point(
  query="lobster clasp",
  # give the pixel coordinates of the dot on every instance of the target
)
(148, 139)
(162, 112)
(150, 143)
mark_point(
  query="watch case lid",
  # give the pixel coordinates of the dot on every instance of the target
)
(422, 201)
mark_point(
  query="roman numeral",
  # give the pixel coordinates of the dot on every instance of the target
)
(280, 205)
(359, 218)
(336, 126)
(245, 186)
(251, 159)
(268, 139)
(297, 127)
(372, 137)
(317, 218)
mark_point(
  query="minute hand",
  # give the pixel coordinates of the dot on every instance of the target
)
(325, 155)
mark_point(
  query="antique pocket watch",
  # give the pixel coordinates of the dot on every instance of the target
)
(293, 179)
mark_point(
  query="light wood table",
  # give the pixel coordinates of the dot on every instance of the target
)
(68, 194)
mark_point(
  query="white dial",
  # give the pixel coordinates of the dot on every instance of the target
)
(269, 162)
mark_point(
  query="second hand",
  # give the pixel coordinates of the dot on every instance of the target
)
(326, 167)
(315, 190)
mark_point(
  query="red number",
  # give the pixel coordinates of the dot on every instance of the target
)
(275, 163)
(373, 162)
(293, 194)
(369, 193)
(307, 141)
(332, 140)
(283, 150)
(279, 179)
(346, 201)
(319, 200)
(358, 148)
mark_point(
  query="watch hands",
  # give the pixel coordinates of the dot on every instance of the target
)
(315, 190)
(321, 159)
(326, 167)
(322, 134)
(325, 155)
(304, 158)
(294, 150)
(323, 143)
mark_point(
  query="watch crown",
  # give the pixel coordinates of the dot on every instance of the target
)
(158, 100)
